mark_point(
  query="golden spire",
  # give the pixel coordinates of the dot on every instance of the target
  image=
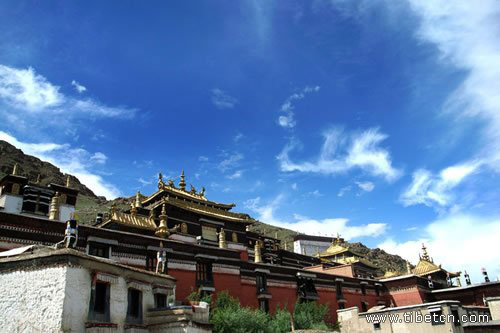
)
(67, 181)
(54, 207)
(222, 239)
(408, 267)
(14, 170)
(138, 200)
(257, 252)
(162, 230)
(182, 183)
(425, 256)
(459, 283)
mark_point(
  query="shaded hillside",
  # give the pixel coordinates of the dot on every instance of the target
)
(88, 204)
(31, 167)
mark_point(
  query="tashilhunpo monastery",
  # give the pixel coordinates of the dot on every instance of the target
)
(132, 270)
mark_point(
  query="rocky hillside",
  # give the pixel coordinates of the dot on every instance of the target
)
(88, 204)
(31, 167)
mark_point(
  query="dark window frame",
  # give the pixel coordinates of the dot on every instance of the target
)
(261, 282)
(134, 306)
(435, 322)
(99, 305)
(264, 305)
(161, 300)
(99, 250)
(204, 273)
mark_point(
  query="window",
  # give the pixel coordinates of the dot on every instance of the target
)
(377, 290)
(364, 307)
(436, 316)
(264, 305)
(456, 318)
(376, 326)
(36, 200)
(160, 301)
(99, 302)
(204, 276)
(151, 263)
(363, 289)
(134, 310)
(261, 281)
(340, 295)
(341, 305)
(99, 250)
(306, 288)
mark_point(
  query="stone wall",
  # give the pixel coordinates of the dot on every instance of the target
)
(32, 300)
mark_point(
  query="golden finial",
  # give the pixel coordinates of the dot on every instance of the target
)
(408, 267)
(38, 179)
(14, 170)
(182, 183)
(54, 207)
(138, 200)
(459, 283)
(317, 251)
(425, 255)
(257, 252)
(67, 181)
(162, 230)
(222, 239)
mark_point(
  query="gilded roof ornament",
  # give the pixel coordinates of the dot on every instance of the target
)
(68, 181)
(425, 255)
(138, 200)
(160, 180)
(14, 170)
(182, 183)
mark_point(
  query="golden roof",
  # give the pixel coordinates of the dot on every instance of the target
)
(426, 267)
(206, 210)
(337, 248)
(136, 221)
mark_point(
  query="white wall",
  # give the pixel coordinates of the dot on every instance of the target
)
(32, 300)
(11, 203)
(77, 298)
(65, 212)
(310, 247)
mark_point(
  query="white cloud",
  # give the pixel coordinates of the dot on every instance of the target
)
(231, 161)
(366, 186)
(360, 151)
(144, 182)
(78, 87)
(238, 137)
(432, 190)
(315, 193)
(344, 190)
(237, 174)
(75, 161)
(474, 247)
(466, 35)
(287, 120)
(222, 100)
(99, 158)
(203, 159)
(24, 95)
(266, 214)
(24, 89)
(294, 186)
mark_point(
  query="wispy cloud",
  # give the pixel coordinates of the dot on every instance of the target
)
(288, 119)
(237, 174)
(465, 35)
(435, 190)
(144, 182)
(238, 137)
(230, 161)
(344, 190)
(222, 100)
(78, 87)
(366, 186)
(203, 159)
(340, 153)
(452, 249)
(266, 213)
(25, 95)
(76, 161)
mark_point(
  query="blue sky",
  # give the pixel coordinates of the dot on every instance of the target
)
(379, 120)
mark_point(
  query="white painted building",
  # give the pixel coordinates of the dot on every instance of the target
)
(48, 290)
(310, 245)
